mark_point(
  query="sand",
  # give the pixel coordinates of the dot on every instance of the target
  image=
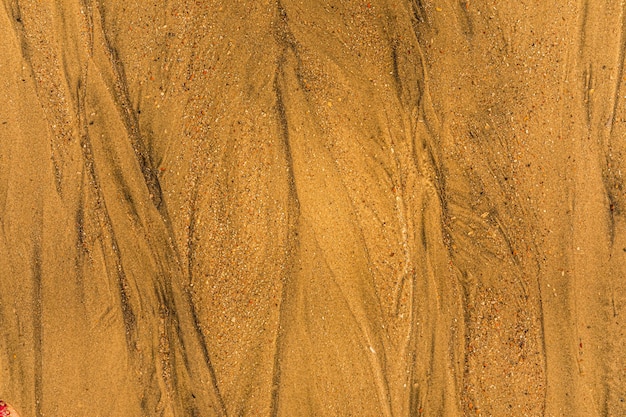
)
(313, 208)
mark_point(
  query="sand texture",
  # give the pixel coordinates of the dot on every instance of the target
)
(313, 208)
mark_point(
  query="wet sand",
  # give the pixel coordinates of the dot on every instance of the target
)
(333, 208)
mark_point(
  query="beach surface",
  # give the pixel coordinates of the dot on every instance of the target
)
(313, 208)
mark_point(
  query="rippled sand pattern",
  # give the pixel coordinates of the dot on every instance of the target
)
(313, 208)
